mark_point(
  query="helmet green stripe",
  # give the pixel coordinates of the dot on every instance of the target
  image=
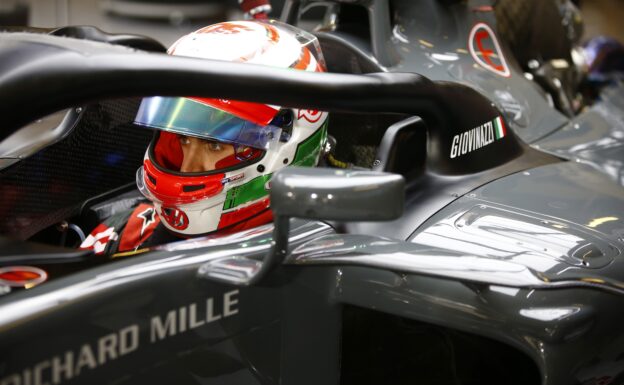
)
(250, 191)
(308, 150)
(306, 155)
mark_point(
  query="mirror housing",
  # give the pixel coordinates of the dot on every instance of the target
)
(314, 193)
(336, 194)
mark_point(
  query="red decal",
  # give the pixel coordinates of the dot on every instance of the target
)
(176, 218)
(311, 116)
(22, 276)
(304, 60)
(486, 51)
(226, 28)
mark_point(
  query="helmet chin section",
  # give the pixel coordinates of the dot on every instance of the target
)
(189, 221)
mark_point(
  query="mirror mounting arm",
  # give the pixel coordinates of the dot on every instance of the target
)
(277, 253)
(314, 193)
(246, 271)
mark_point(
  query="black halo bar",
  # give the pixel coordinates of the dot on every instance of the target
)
(41, 74)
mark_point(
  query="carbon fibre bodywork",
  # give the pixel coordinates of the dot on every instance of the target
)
(505, 267)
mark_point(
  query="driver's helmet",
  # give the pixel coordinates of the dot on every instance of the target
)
(255, 139)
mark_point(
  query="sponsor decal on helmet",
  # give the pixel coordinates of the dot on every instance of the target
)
(175, 217)
(478, 137)
(486, 51)
(233, 178)
(22, 276)
(311, 116)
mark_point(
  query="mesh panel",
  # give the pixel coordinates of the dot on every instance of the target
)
(102, 153)
(358, 135)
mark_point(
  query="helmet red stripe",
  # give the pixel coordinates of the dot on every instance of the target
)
(232, 217)
(169, 188)
(304, 61)
(272, 33)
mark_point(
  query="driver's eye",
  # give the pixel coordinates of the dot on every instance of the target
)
(215, 146)
(184, 140)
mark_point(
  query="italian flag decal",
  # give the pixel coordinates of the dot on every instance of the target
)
(499, 128)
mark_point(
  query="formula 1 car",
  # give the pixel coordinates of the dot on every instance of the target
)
(473, 236)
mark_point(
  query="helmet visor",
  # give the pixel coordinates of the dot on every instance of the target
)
(191, 117)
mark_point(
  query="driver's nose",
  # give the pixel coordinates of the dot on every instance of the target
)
(195, 157)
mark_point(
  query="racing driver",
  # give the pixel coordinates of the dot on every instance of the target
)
(208, 166)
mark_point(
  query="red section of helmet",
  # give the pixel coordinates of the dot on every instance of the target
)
(261, 114)
(304, 60)
(168, 152)
(169, 188)
(232, 217)
(247, 154)
(259, 219)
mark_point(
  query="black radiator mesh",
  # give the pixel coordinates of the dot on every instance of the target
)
(358, 135)
(102, 153)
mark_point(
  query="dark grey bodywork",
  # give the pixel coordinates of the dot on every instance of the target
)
(526, 252)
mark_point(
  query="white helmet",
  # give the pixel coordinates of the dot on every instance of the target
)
(265, 138)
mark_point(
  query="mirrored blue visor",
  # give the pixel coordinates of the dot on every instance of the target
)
(188, 117)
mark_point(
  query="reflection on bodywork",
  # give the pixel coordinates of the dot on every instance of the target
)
(536, 242)
(513, 108)
(37, 135)
(447, 56)
(595, 137)
(549, 314)
(598, 221)
(510, 291)
(498, 245)
(358, 249)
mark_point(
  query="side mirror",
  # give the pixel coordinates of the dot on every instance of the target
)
(335, 194)
(314, 193)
